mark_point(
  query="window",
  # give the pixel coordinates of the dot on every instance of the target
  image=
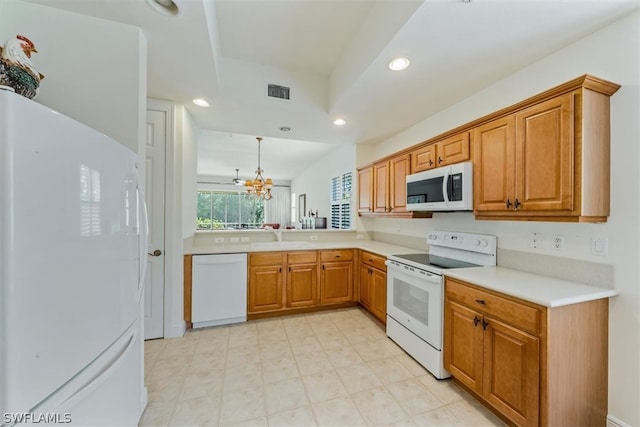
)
(224, 210)
(341, 187)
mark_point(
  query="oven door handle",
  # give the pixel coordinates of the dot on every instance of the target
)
(395, 268)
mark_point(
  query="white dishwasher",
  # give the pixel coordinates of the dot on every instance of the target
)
(219, 289)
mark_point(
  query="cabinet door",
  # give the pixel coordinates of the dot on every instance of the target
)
(463, 344)
(544, 160)
(381, 187)
(302, 285)
(494, 165)
(365, 190)
(454, 149)
(379, 297)
(265, 288)
(398, 171)
(423, 158)
(365, 286)
(511, 372)
(336, 282)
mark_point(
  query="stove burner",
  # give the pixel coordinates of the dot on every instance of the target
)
(434, 260)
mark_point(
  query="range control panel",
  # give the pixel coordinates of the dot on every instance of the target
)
(483, 243)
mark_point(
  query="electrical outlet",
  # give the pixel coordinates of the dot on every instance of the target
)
(557, 242)
(219, 240)
(535, 240)
(314, 237)
(359, 236)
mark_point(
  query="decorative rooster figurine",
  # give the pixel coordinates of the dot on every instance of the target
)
(16, 69)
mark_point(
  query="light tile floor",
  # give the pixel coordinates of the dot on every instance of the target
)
(334, 368)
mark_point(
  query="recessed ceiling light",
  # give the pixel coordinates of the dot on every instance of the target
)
(201, 102)
(166, 7)
(339, 122)
(285, 129)
(398, 64)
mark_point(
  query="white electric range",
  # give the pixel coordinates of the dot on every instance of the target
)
(415, 292)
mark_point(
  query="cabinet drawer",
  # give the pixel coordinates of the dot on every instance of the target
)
(302, 257)
(374, 260)
(266, 258)
(515, 313)
(337, 255)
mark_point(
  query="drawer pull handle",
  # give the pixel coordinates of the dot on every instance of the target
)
(480, 301)
(337, 256)
(484, 324)
(476, 320)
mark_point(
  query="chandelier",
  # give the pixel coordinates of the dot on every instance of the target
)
(259, 187)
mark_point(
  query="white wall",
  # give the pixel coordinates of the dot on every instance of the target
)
(315, 182)
(95, 70)
(613, 54)
(189, 174)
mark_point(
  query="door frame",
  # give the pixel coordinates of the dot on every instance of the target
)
(174, 325)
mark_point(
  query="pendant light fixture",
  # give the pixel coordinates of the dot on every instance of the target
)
(259, 187)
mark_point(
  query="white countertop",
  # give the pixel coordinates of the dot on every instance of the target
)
(546, 291)
(543, 290)
(380, 248)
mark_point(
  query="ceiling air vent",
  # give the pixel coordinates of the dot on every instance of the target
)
(276, 91)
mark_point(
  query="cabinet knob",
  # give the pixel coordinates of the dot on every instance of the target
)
(480, 301)
(440, 160)
(476, 320)
(517, 203)
(484, 324)
(508, 204)
(430, 162)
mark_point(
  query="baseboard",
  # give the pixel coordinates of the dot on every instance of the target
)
(176, 331)
(615, 422)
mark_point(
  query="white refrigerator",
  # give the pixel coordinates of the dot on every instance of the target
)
(72, 256)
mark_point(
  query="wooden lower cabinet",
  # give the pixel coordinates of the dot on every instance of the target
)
(532, 365)
(302, 285)
(336, 282)
(373, 284)
(299, 280)
(336, 276)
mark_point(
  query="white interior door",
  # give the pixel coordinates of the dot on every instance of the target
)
(154, 196)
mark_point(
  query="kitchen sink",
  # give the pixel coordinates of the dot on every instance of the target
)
(284, 246)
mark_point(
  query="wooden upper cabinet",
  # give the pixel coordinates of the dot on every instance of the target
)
(390, 184)
(381, 187)
(549, 160)
(494, 165)
(423, 158)
(454, 149)
(399, 168)
(365, 190)
(545, 155)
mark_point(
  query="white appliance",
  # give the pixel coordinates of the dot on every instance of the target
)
(219, 289)
(415, 292)
(448, 188)
(72, 256)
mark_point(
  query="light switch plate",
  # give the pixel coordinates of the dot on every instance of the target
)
(599, 246)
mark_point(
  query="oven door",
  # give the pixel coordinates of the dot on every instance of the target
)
(414, 299)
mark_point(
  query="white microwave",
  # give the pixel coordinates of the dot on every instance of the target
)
(448, 188)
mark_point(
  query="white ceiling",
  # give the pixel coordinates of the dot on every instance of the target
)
(334, 55)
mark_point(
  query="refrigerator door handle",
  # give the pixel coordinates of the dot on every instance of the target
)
(101, 376)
